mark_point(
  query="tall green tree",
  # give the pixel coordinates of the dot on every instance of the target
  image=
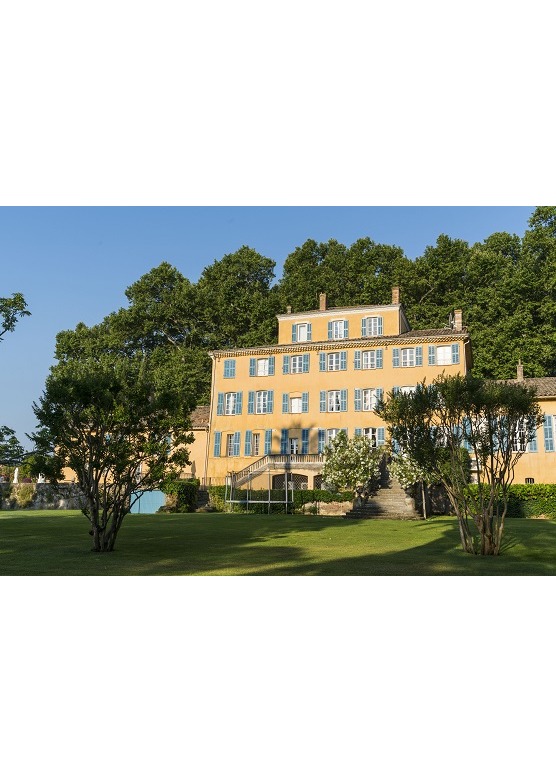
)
(12, 308)
(436, 426)
(119, 422)
(11, 451)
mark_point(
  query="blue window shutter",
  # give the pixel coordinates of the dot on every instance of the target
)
(305, 362)
(252, 366)
(346, 329)
(294, 333)
(533, 444)
(285, 365)
(237, 443)
(379, 395)
(432, 354)
(395, 357)
(267, 441)
(358, 432)
(304, 441)
(357, 360)
(284, 442)
(466, 430)
(380, 436)
(270, 398)
(380, 332)
(251, 402)
(455, 353)
(323, 402)
(285, 403)
(309, 332)
(357, 399)
(229, 368)
(271, 365)
(378, 358)
(248, 438)
(330, 330)
(239, 403)
(419, 356)
(322, 441)
(305, 402)
(548, 434)
(217, 442)
(220, 405)
(343, 399)
(343, 360)
(396, 390)
(363, 327)
(322, 362)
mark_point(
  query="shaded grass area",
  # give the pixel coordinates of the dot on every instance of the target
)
(57, 543)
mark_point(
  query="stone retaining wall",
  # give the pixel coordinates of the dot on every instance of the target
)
(40, 497)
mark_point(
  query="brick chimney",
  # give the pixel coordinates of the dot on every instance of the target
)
(396, 295)
(520, 371)
(322, 302)
(458, 320)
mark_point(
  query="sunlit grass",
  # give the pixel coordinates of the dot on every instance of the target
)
(57, 543)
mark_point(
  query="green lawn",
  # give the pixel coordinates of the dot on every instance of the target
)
(57, 542)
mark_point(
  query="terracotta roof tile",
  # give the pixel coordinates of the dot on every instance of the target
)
(546, 387)
(200, 417)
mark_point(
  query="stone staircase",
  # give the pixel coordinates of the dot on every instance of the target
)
(390, 502)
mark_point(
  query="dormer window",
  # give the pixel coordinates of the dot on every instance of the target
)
(338, 330)
(371, 327)
(301, 333)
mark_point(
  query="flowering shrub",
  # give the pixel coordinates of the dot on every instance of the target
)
(407, 471)
(349, 463)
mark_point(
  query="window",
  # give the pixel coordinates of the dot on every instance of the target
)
(519, 439)
(529, 480)
(444, 354)
(301, 333)
(337, 330)
(229, 368)
(295, 405)
(407, 389)
(371, 327)
(262, 366)
(371, 434)
(370, 399)
(231, 399)
(331, 434)
(262, 402)
(229, 445)
(334, 401)
(294, 445)
(256, 444)
(333, 361)
(368, 360)
(297, 364)
(408, 357)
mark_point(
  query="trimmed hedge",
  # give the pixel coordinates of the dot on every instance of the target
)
(181, 495)
(300, 498)
(531, 500)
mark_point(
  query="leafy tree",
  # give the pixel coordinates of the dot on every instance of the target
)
(119, 422)
(351, 463)
(11, 310)
(437, 424)
(11, 451)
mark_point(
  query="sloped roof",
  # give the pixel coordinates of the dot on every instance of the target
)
(546, 387)
(200, 417)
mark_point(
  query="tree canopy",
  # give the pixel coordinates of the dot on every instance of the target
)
(12, 308)
(439, 423)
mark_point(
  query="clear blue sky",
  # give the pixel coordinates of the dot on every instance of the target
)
(73, 264)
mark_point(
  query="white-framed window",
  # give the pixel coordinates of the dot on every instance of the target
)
(407, 389)
(255, 444)
(294, 445)
(369, 399)
(262, 366)
(444, 354)
(334, 400)
(333, 360)
(338, 329)
(519, 440)
(297, 364)
(372, 326)
(302, 333)
(261, 402)
(408, 357)
(295, 405)
(230, 445)
(371, 434)
(230, 403)
(368, 360)
(331, 434)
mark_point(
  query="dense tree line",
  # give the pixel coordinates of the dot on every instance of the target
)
(505, 286)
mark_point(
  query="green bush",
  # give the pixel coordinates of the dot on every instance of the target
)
(300, 498)
(181, 495)
(530, 500)
(23, 494)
